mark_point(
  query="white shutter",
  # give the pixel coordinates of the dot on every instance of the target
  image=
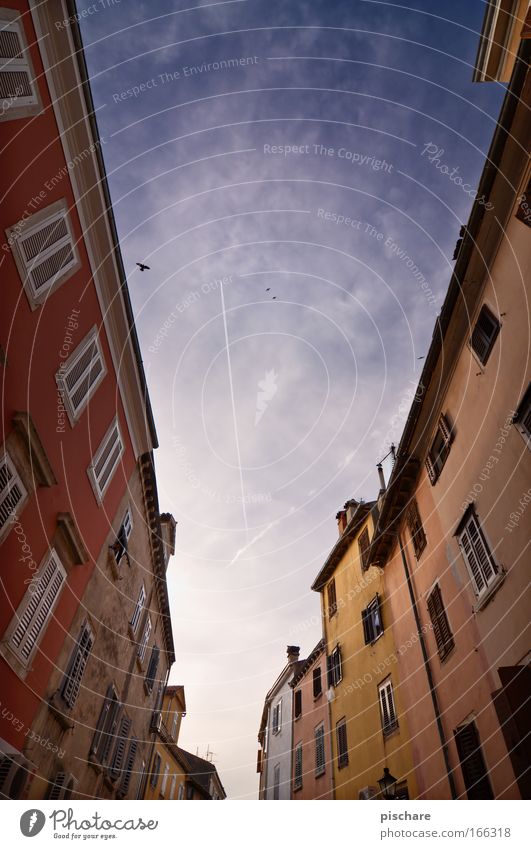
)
(106, 460)
(37, 606)
(17, 88)
(12, 490)
(79, 377)
(78, 662)
(477, 555)
(145, 639)
(135, 619)
(44, 248)
(127, 523)
(387, 706)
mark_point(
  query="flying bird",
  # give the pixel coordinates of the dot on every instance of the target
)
(143, 267)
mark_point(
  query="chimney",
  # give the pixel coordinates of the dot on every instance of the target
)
(341, 521)
(381, 476)
(293, 653)
(351, 506)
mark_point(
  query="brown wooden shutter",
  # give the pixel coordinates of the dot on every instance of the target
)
(475, 774)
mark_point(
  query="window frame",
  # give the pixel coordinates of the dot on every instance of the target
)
(465, 760)
(26, 603)
(331, 598)
(66, 367)
(99, 491)
(342, 737)
(134, 622)
(297, 703)
(10, 111)
(471, 518)
(276, 720)
(297, 767)
(335, 667)
(364, 545)
(416, 528)
(319, 740)
(436, 458)
(317, 675)
(14, 481)
(33, 224)
(386, 701)
(488, 340)
(373, 611)
(79, 658)
(522, 415)
(440, 622)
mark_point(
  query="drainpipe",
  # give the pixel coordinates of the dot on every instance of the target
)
(427, 667)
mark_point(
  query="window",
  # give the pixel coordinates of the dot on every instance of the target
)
(342, 745)
(174, 724)
(297, 781)
(335, 671)
(18, 88)
(523, 213)
(332, 601)
(152, 670)
(475, 774)
(37, 606)
(276, 782)
(107, 457)
(440, 448)
(156, 770)
(142, 646)
(414, 523)
(364, 544)
(181, 791)
(484, 334)
(164, 779)
(12, 492)
(317, 683)
(135, 619)
(298, 703)
(277, 717)
(387, 707)
(44, 251)
(80, 375)
(76, 667)
(120, 546)
(479, 560)
(118, 758)
(441, 627)
(172, 788)
(320, 760)
(107, 726)
(129, 767)
(522, 419)
(372, 621)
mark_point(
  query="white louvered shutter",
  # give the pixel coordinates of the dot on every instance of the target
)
(17, 88)
(46, 251)
(12, 490)
(145, 639)
(135, 619)
(81, 374)
(106, 460)
(446, 430)
(477, 555)
(37, 606)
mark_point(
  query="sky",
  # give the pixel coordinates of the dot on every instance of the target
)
(295, 176)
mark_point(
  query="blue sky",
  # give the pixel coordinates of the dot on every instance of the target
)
(277, 392)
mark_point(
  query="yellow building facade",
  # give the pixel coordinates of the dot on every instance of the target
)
(369, 729)
(167, 774)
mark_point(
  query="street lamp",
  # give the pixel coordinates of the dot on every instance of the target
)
(388, 784)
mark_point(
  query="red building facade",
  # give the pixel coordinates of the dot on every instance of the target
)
(76, 417)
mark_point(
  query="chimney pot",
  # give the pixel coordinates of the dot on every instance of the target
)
(293, 653)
